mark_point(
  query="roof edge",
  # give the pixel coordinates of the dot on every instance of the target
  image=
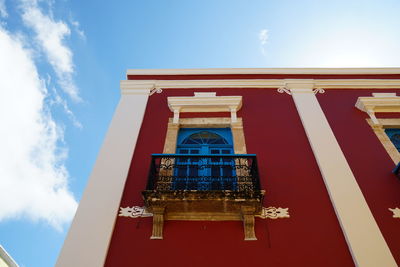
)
(263, 71)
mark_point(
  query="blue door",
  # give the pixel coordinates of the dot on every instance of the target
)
(204, 172)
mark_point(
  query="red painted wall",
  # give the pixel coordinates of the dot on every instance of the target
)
(367, 158)
(289, 174)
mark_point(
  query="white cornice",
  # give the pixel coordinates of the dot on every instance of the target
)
(379, 104)
(264, 71)
(374, 104)
(137, 87)
(131, 85)
(201, 102)
(205, 104)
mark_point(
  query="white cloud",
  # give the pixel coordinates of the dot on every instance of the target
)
(58, 100)
(263, 37)
(78, 29)
(50, 35)
(3, 10)
(33, 178)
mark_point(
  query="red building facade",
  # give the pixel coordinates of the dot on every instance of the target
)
(324, 159)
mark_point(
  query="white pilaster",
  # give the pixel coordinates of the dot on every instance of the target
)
(361, 231)
(90, 233)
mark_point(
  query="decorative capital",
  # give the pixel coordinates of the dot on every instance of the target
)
(286, 90)
(299, 86)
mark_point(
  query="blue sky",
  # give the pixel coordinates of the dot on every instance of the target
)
(61, 62)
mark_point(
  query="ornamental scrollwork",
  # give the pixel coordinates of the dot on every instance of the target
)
(318, 90)
(134, 212)
(396, 212)
(155, 90)
(274, 213)
(283, 89)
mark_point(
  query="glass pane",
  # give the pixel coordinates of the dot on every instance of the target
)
(394, 136)
(189, 141)
(204, 137)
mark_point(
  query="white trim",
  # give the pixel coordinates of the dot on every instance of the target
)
(205, 102)
(363, 236)
(7, 258)
(378, 103)
(132, 85)
(89, 236)
(264, 71)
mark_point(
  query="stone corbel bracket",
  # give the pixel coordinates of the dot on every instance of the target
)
(247, 213)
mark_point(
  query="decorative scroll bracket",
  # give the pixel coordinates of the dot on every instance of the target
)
(318, 90)
(396, 212)
(134, 212)
(274, 213)
(283, 89)
(155, 90)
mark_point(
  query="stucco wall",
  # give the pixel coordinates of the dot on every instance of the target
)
(289, 174)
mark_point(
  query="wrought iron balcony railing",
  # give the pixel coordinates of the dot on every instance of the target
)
(203, 187)
(176, 172)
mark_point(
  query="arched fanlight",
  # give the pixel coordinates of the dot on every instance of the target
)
(204, 137)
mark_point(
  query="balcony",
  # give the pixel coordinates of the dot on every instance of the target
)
(203, 187)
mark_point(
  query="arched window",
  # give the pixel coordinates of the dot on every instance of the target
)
(205, 141)
(206, 170)
(204, 137)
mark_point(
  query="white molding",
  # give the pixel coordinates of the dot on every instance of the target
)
(89, 236)
(204, 102)
(384, 94)
(363, 236)
(378, 103)
(10, 262)
(264, 71)
(133, 85)
(137, 88)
